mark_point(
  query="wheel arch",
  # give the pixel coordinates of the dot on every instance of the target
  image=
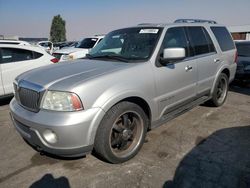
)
(137, 99)
(224, 70)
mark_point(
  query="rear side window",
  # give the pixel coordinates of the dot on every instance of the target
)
(200, 40)
(37, 55)
(13, 55)
(223, 37)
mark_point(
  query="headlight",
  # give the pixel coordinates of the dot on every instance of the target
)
(61, 101)
(67, 57)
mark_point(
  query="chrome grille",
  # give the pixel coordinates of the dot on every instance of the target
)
(28, 98)
(28, 95)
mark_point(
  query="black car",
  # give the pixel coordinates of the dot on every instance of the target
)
(243, 62)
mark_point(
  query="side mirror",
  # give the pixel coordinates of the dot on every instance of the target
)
(171, 55)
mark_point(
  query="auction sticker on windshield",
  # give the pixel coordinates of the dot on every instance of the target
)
(154, 31)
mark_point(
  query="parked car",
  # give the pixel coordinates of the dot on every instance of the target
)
(16, 59)
(60, 45)
(243, 62)
(134, 80)
(46, 45)
(17, 42)
(80, 50)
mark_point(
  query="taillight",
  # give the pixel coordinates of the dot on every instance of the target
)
(236, 57)
(54, 60)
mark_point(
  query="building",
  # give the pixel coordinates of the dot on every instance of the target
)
(240, 32)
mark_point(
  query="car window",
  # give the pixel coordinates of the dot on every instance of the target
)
(87, 43)
(223, 37)
(13, 55)
(198, 40)
(209, 41)
(37, 55)
(130, 43)
(176, 38)
(243, 49)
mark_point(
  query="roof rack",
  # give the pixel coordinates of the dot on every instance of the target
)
(195, 21)
(145, 24)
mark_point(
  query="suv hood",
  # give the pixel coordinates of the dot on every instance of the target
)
(67, 75)
(71, 50)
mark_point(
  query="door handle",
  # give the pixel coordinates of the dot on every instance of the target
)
(216, 60)
(188, 68)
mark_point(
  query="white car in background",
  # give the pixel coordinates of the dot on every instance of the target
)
(80, 50)
(48, 46)
(17, 42)
(16, 59)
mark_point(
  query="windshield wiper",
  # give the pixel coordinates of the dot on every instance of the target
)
(115, 57)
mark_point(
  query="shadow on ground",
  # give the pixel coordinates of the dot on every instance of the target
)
(5, 100)
(221, 160)
(49, 181)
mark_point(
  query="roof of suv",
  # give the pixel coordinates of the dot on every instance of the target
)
(182, 22)
(175, 24)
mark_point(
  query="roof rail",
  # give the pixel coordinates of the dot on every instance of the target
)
(195, 21)
(145, 24)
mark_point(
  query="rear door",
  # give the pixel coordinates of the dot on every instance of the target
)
(1, 83)
(206, 57)
(14, 62)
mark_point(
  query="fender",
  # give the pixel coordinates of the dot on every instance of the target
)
(114, 99)
(223, 67)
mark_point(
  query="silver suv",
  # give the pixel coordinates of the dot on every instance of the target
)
(134, 80)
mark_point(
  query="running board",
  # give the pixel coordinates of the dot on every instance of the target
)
(179, 111)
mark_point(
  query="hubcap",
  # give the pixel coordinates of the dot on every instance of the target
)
(126, 134)
(221, 90)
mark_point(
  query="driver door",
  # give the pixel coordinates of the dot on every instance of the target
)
(175, 82)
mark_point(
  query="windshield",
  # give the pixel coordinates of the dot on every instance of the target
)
(243, 49)
(129, 44)
(87, 43)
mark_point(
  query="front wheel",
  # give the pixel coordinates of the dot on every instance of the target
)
(121, 133)
(220, 91)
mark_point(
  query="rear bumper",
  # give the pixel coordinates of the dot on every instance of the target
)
(244, 77)
(75, 131)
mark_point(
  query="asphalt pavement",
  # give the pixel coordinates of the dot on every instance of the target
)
(205, 147)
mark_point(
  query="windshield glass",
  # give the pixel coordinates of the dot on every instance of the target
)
(87, 43)
(131, 44)
(243, 49)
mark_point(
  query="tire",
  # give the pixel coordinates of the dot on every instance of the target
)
(121, 133)
(220, 91)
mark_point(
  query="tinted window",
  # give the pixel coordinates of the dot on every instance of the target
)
(176, 38)
(198, 40)
(13, 55)
(87, 43)
(209, 41)
(243, 49)
(37, 55)
(223, 37)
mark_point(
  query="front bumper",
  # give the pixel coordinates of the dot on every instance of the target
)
(75, 131)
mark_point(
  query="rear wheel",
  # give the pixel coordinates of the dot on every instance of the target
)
(220, 91)
(121, 133)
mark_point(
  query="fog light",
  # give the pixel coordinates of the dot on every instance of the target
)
(50, 136)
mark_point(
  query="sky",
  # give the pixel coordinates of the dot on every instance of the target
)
(32, 18)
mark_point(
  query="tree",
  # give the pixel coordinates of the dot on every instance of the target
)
(57, 29)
